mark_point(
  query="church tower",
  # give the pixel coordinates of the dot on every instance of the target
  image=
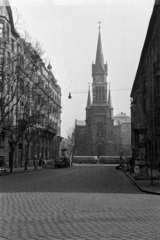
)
(99, 74)
(99, 113)
(98, 132)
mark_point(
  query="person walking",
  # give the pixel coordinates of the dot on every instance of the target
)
(35, 162)
(44, 162)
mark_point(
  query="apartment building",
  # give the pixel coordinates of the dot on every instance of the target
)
(145, 95)
(30, 98)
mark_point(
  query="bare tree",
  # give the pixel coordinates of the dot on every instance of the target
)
(75, 141)
(25, 105)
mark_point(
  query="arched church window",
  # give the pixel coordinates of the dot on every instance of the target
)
(100, 94)
(100, 129)
(96, 94)
(103, 93)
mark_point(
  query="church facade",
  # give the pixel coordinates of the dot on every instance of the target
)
(95, 136)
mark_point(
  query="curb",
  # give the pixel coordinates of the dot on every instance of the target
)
(21, 171)
(141, 189)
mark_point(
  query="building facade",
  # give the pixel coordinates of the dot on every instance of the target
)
(145, 94)
(95, 136)
(122, 126)
(30, 98)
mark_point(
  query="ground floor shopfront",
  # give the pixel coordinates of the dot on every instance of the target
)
(42, 146)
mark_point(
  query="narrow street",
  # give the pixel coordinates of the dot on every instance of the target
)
(81, 202)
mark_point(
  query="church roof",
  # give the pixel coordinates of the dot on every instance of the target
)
(99, 56)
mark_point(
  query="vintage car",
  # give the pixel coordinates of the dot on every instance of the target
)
(63, 160)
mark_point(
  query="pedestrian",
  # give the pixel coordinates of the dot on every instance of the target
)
(40, 161)
(45, 163)
(120, 160)
(35, 161)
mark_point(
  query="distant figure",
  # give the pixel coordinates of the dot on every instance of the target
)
(35, 162)
(120, 165)
(121, 161)
(45, 163)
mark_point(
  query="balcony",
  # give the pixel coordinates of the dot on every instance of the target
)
(51, 128)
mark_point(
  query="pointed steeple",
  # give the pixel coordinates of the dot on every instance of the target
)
(89, 99)
(99, 55)
(109, 98)
(110, 102)
(99, 68)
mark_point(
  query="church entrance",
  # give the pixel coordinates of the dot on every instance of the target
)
(101, 150)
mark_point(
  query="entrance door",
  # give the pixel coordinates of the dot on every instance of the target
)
(101, 150)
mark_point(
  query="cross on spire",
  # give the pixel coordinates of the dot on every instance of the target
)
(99, 25)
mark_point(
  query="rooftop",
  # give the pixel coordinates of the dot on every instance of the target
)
(80, 122)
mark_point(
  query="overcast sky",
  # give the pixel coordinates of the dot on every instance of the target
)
(68, 32)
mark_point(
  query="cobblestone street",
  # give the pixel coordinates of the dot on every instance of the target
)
(81, 202)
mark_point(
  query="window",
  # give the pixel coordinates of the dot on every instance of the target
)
(12, 45)
(100, 129)
(1, 85)
(100, 95)
(96, 94)
(158, 117)
(103, 94)
(8, 59)
(1, 55)
(1, 29)
(158, 84)
(8, 33)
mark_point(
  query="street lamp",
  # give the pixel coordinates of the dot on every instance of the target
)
(69, 96)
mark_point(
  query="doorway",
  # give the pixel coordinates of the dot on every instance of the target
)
(101, 150)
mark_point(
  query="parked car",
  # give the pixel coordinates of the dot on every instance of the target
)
(63, 160)
(3, 167)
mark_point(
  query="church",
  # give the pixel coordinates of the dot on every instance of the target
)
(96, 136)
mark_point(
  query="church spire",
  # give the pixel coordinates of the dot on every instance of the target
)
(89, 99)
(99, 55)
(99, 68)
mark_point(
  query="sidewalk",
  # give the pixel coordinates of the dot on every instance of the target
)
(144, 182)
(21, 170)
